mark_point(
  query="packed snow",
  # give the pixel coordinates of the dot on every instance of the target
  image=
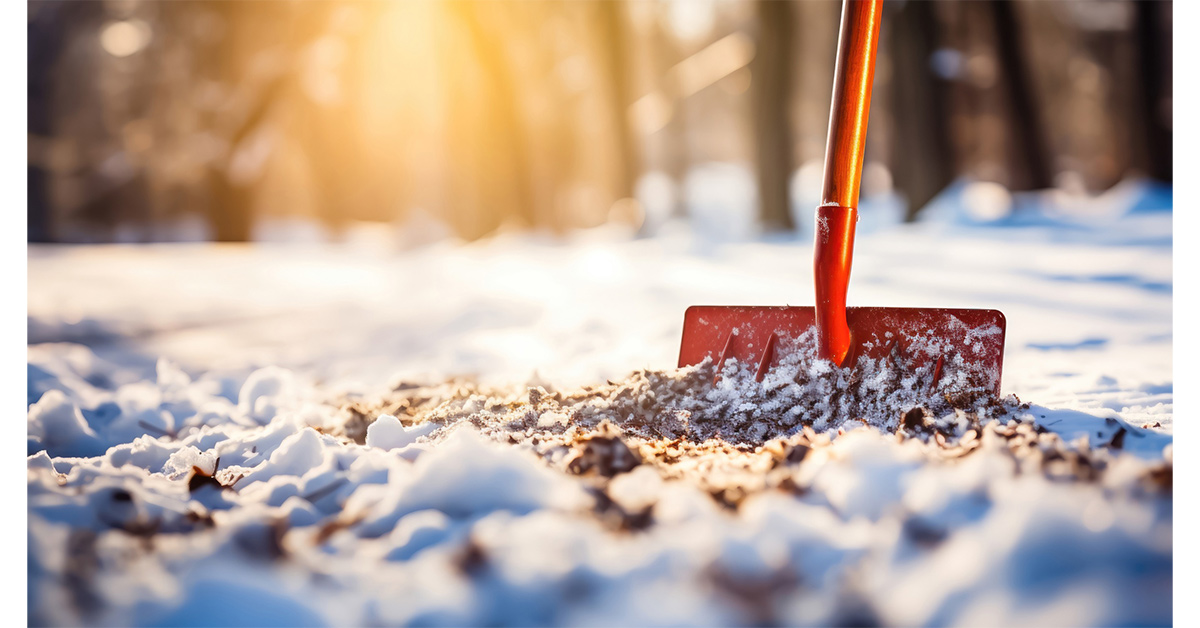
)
(369, 433)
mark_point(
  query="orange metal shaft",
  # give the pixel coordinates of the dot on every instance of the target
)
(837, 215)
(853, 76)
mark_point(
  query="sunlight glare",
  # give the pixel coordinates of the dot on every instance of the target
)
(124, 38)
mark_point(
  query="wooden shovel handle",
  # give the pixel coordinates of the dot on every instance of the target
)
(837, 215)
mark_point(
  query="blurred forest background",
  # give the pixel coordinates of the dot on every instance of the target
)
(186, 120)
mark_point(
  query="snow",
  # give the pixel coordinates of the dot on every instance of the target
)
(57, 426)
(386, 432)
(637, 489)
(493, 434)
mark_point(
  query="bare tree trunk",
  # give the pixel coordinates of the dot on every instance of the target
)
(673, 136)
(507, 157)
(1152, 68)
(231, 202)
(616, 43)
(1029, 161)
(771, 77)
(47, 41)
(231, 208)
(922, 160)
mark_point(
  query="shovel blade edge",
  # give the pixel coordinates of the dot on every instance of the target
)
(751, 333)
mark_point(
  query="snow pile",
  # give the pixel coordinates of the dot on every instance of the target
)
(879, 392)
(632, 502)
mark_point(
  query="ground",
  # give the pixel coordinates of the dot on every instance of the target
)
(386, 431)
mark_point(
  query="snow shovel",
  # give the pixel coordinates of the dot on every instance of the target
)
(942, 348)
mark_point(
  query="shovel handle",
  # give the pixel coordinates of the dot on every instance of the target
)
(837, 215)
(848, 113)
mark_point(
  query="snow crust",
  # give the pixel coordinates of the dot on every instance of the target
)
(471, 509)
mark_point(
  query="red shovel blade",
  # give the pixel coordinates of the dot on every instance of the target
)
(937, 336)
